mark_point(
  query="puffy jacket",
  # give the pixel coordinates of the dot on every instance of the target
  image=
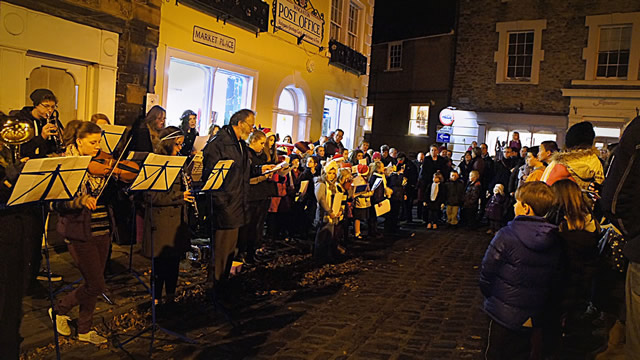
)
(472, 195)
(519, 271)
(455, 192)
(230, 201)
(580, 165)
(495, 207)
(621, 189)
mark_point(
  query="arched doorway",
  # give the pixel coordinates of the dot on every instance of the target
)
(291, 117)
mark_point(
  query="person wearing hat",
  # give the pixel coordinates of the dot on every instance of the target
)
(579, 162)
(188, 124)
(44, 105)
(302, 149)
(326, 191)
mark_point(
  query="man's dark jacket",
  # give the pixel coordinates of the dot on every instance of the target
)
(230, 202)
(621, 189)
(36, 147)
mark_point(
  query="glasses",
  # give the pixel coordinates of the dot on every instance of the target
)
(179, 144)
(49, 107)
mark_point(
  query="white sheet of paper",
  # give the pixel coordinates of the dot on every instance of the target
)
(200, 142)
(304, 185)
(37, 174)
(111, 137)
(337, 202)
(158, 172)
(383, 207)
(278, 167)
(218, 174)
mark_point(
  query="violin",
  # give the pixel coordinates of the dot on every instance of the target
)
(102, 164)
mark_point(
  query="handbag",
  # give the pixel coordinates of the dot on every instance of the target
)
(611, 247)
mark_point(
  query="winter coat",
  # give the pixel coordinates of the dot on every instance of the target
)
(495, 207)
(331, 148)
(378, 193)
(621, 189)
(580, 165)
(430, 167)
(189, 140)
(455, 192)
(394, 181)
(410, 173)
(440, 197)
(465, 170)
(37, 147)
(166, 222)
(472, 195)
(520, 271)
(141, 139)
(230, 201)
(264, 189)
(580, 257)
(325, 203)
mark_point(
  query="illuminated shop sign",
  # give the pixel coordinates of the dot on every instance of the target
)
(300, 19)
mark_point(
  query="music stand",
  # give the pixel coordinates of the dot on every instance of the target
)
(214, 183)
(111, 137)
(158, 173)
(44, 180)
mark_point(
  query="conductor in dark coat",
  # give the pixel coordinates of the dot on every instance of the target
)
(230, 201)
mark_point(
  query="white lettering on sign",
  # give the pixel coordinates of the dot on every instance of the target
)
(213, 39)
(298, 21)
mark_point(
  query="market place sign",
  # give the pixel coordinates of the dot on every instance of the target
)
(300, 19)
(214, 39)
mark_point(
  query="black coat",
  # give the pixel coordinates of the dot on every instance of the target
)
(230, 202)
(455, 192)
(411, 173)
(36, 147)
(620, 195)
(430, 167)
(189, 139)
(264, 189)
(331, 148)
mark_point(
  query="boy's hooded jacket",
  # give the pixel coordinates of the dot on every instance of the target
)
(520, 269)
(580, 165)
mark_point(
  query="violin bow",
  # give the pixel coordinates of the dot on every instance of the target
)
(114, 168)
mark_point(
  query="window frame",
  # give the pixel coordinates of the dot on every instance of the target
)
(368, 118)
(336, 21)
(389, 51)
(342, 22)
(590, 53)
(616, 26)
(419, 105)
(517, 55)
(356, 27)
(501, 55)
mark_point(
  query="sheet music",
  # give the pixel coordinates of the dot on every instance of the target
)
(200, 142)
(218, 174)
(56, 178)
(304, 185)
(278, 167)
(337, 202)
(111, 137)
(362, 162)
(158, 172)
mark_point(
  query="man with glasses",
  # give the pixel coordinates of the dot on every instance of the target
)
(42, 144)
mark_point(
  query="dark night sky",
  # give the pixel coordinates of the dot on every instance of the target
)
(404, 19)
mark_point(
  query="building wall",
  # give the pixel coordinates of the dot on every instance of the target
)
(275, 57)
(424, 79)
(137, 24)
(563, 40)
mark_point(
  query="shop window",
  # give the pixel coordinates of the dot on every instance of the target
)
(419, 120)
(368, 119)
(394, 60)
(496, 136)
(340, 114)
(290, 115)
(214, 93)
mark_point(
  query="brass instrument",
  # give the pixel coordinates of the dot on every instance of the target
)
(57, 138)
(15, 132)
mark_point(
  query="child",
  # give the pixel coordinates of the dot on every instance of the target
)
(495, 209)
(362, 200)
(471, 197)
(435, 200)
(379, 195)
(325, 247)
(455, 197)
(518, 273)
(515, 142)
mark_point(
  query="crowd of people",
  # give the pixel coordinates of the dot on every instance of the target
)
(542, 272)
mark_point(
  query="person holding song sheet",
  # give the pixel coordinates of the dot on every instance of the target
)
(328, 214)
(167, 226)
(229, 203)
(85, 224)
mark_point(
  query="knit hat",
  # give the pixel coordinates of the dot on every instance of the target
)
(376, 156)
(302, 146)
(363, 170)
(580, 135)
(331, 165)
(39, 94)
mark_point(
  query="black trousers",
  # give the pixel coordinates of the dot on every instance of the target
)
(507, 344)
(410, 191)
(392, 217)
(251, 234)
(22, 231)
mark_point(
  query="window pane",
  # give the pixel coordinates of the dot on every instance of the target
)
(606, 132)
(622, 70)
(188, 89)
(494, 136)
(602, 71)
(539, 138)
(530, 37)
(284, 125)
(286, 101)
(230, 94)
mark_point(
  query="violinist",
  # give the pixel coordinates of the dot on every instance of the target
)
(188, 123)
(85, 224)
(167, 226)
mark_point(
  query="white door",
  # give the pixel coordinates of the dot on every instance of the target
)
(68, 82)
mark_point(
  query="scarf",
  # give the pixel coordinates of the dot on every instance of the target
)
(435, 187)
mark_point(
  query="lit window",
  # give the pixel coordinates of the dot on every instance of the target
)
(613, 51)
(606, 132)
(290, 116)
(368, 117)
(336, 19)
(419, 120)
(352, 33)
(395, 56)
(520, 55)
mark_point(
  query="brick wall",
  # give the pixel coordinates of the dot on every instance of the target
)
(562, 42)
(137, 22)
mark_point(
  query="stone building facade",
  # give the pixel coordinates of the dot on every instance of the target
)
(561, 83)
(120, 69)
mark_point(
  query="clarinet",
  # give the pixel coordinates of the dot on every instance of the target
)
(185, 180)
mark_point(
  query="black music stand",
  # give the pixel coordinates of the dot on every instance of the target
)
(157, 174)
(214, 183)
(49, 179)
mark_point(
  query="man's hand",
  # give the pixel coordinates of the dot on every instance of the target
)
(48, 130)
(266, 168)
(188, 197)
(89, 202)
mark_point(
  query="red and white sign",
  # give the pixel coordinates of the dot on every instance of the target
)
(446, 117)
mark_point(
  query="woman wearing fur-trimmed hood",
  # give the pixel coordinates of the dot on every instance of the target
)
(579, 162)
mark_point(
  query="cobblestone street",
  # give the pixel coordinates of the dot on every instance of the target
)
(414, 298)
